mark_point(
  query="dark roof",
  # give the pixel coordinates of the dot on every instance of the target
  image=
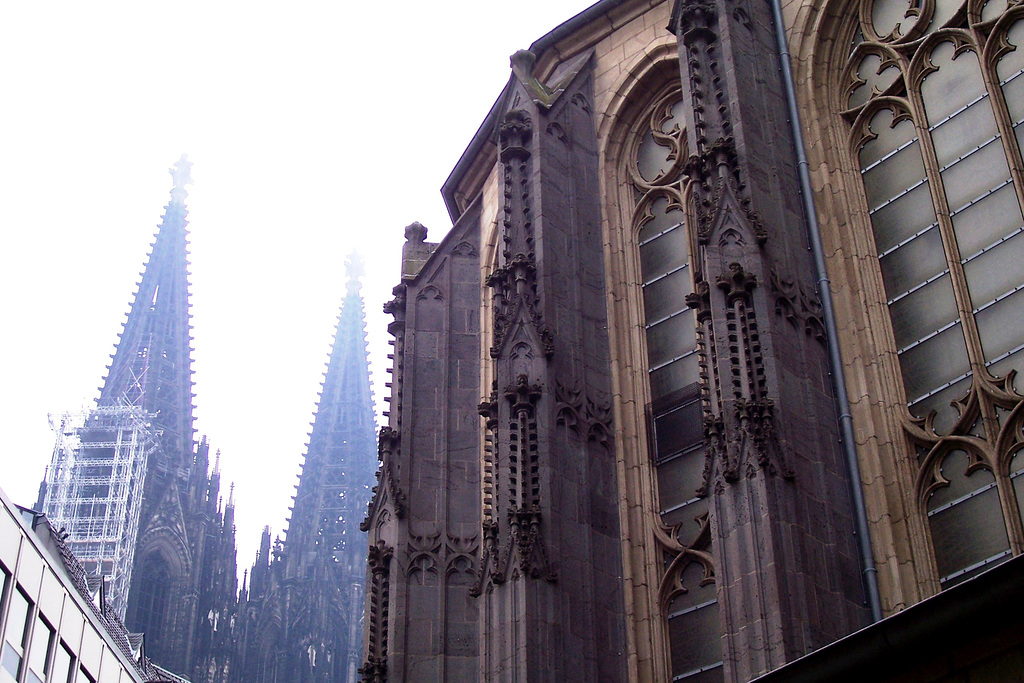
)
(485, 133)
(977, 613)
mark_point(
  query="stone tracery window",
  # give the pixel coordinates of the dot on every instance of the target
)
(154, 588)
(934, 90)
(657, 187)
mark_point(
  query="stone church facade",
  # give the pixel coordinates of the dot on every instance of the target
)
(628, 440)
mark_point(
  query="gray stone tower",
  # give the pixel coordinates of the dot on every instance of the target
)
(303, 608)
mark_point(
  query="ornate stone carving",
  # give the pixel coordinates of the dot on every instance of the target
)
(796, 306)
(744, 438)
(396, 308)
(583, 416)
(387, 451)
(516, 300)
(520, 550)
(423, 556)
(375, 667)
(679, 552)
(514, 135)
(464, 249)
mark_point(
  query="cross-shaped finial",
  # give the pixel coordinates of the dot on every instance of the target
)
(180, 173)
(354, 266)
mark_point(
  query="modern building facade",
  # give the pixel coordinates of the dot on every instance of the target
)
(56, 624)
(630, 439)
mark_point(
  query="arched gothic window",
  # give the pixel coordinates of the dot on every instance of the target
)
(658, 197)
(155, 584)
(934, 91)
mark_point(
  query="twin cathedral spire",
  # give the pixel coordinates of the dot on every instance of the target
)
(300, 618)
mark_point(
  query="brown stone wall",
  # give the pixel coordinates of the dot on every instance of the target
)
(781, 516)
(423, 622)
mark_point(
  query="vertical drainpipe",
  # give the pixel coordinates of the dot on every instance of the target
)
(825, 293)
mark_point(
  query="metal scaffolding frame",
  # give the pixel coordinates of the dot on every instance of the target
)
(94, 489)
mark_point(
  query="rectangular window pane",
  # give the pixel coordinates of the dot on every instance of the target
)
(679, 429)
(687, 516)
(695, 640)
(996, 271)
(986, 222)
(10, 664)
(666, 296)
(1017, 478)
(1009, 64)
(924, 311)
(39, 651)
(674, 375)
(17, 618)
(663, 254)
(967, 180)
(969, 532)
(61, 670)
(1001, 325)
(904, 218)
(915, 262)
(715, 674)
(894, 175)
(928, 366)
(670, 339)
(14, 636)
(959, 135)
(679, 479)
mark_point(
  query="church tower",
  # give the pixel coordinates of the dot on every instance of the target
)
(304, 606)
(128, 478)
(324, 566)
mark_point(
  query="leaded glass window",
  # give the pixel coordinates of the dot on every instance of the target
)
(153, 595)
(659, 217)
(935, 95)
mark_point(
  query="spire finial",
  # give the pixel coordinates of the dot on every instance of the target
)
(415, 232)
(354, 268)
(181, 173)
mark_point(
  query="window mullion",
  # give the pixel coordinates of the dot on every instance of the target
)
(1011, 513)
(1011, 148)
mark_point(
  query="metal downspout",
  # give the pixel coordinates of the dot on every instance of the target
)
(831, 332)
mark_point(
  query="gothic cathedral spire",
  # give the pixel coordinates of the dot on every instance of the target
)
(152, 366)
(129, 481)
(325, 553)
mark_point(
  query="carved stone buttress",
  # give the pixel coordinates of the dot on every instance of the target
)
(780, 515)
(551, 550)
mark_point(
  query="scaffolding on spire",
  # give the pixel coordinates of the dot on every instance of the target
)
(94, 489)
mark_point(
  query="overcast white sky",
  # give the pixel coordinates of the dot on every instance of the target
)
(313, 128)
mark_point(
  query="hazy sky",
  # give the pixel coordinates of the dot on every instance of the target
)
(314, 128)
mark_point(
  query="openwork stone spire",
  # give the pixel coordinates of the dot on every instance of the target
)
(325, 553)
(152, 366)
